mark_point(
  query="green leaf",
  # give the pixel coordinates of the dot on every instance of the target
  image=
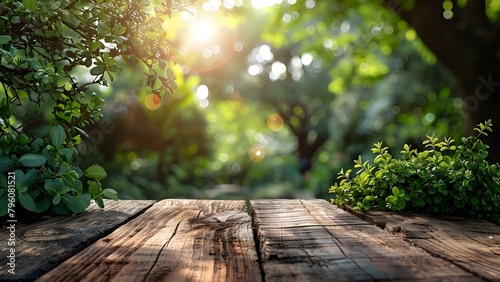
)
(78, 171)
(96, 172)
(82, 132)
(162, 64)
(31, 177)
(53, 185)
(67, 151)
(46, 79)
(4, 204)
(22, 189)
(88, 62)
(8, 57)
(378, 159)
(55, 5)
(391, 199)
(487, 194)
(85, 200)
(97, 70)
(35, 65)
(61, 209)
(64, 190)
(99, 202)
(96, 45)
(26, 201)
(71, 183)
(103, 29)
(32, 160)
(110, 193)
(56, 199)
(418, 202)
(73, 204)
(4, 39)
(6, 164)
(401, 204)
(57, 136)
(63, 168)
(43, 205)
(20, 180)
(31, 5)
(395, 191)
(94, 189)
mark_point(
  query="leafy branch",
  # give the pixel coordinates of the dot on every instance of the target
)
(45, 46)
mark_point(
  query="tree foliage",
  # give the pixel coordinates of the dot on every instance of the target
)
(51, 53)
(358, 34)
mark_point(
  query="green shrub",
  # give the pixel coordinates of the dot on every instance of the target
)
(444, 178)
(41, 174)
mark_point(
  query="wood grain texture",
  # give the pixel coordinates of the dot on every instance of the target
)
(175, 240)
(312, 240)
(42, 245)
(471, 243)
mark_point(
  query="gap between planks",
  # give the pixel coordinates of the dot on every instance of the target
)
(337, 246)
(42, 245)
(174, 240)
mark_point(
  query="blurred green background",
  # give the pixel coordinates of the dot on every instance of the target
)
(273, 98)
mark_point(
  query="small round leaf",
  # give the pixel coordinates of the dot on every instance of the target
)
(4, 39)
(418, 202)
(96, 172)
(110, 193)
(73, 204)
(26, 201)
(57, 199)
(32, 160)
(6, 164)
(57, 136)
(97, 70)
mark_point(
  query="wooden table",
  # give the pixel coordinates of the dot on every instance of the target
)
(281, 240)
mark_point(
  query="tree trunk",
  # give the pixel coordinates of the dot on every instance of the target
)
(481, 101)
(467, 45)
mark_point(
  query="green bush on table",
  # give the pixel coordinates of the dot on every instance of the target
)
(444, 178)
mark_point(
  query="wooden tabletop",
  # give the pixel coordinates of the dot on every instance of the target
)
(263, 240)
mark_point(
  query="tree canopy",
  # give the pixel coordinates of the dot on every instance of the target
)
(462, 35)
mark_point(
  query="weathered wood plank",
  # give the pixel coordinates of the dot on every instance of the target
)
(175, 240)
(471, 243)
(312, 240)
(42, 245)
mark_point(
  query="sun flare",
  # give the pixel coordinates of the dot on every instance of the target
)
(202, 30)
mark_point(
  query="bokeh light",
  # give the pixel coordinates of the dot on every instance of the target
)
(261, 4)
(152, 102)
(201, 95)
(275, 122)
(256, 153)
